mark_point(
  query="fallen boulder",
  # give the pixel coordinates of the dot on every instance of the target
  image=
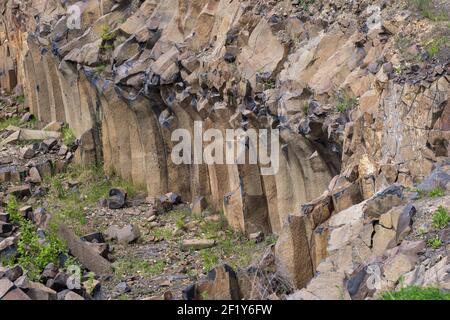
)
(127, 234)
(383, 201)
(84, 253)
(221, 284)
(117, 198)
(20, 134)
(197, 244)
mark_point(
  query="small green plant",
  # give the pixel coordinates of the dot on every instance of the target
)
(100, 68)
(441, 218)
(13, 121)
(435, 45)
(34, 254)
(304, 4)
(204, 295)
(416, 293)
(210, 259)
(269, 84)
(107, 34)
(180, 222)
(422, 232)
(68, 136)
(398, 70)
(345, 102)
(434, 242)
(421, 193)
(305, 108)
(107, 47)
(436, 193)
(108, 38)
(12, 208)
(20, 99)
(133, 265)
(271, 239)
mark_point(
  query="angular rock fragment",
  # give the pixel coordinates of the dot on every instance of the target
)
(22, 282)
(47, 145)
(221, 284)
(28, 152)
(197, 244)
(34, 175)
(53, 126)
(15, 294)
(93, 237)
(20, 191)
(69, 295)
(117, 198)
(49, 272)
(27, 117)
(8, 248)
(5, 286)
(13, 273)
(4, 217)
(127, 234)
(5, 228)
(346, 196)
(84, 253)
(384, 201)
(122, 287)
(292, 252)
(26, 212)
(173, 198)
(199, 205)
(38, 291)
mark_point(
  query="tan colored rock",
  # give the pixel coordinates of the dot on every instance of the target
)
(222, 284)
(292, 252)
(38, 291)
(84, 253)
(53, 126)
(199, 205)
(396, 267)
(346, 196)
(382, 239)
(197, 244)
(327, 286)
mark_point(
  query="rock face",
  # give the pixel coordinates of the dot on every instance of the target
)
(359, 120)
(221, 284)
(163, 86)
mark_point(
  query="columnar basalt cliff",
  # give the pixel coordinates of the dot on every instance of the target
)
(356, 111)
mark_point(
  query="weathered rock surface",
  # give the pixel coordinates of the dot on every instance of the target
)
(362, 116)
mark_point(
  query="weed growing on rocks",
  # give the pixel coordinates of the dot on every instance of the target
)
(13, 121)
(72, 193)
(441, 218)
(416, 293)
(34, 252)
(436, 193)
(345, 102)
(68, 136)
(434, 242)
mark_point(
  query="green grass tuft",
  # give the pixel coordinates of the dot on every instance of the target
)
(435, 242)
(436, 193)
(13, 121)
(441, 218)
(68, 136)
(34, 254)
(416, 293)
